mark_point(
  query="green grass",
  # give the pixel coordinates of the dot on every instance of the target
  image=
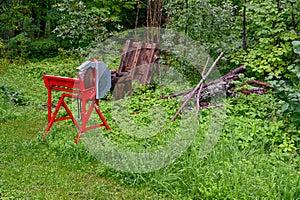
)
(29, 169)
(246, 163)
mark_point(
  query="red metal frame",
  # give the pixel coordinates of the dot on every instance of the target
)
(73, 88)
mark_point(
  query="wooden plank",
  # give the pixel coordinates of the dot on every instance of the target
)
(136, 62)
(136, 56)
(121, 66)
(146, 79)
(122, 87)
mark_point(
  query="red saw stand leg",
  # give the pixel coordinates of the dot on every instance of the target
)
(86, 116)
(74, 89)
(53, 118)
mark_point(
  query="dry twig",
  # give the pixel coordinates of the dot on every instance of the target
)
(201, 87)
(197, 87)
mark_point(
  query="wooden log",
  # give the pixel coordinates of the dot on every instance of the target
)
(256, 90)
(125, 52)
(232, 75)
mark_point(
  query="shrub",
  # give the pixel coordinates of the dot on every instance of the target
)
(269, 50)
(288, 92)
(18, 46)
(43, 48)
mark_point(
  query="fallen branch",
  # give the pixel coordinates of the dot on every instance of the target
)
(200, 89)
(256, 90)
(263, 84)
(232, 75)
(177, 94)
(200, 84)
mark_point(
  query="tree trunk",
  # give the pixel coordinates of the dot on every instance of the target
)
(244, 28)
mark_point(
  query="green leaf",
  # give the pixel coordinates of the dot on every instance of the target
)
(296, 46)
(285, 107)
(297, 50)
(296, 43)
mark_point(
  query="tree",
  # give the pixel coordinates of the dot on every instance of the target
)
(213, 24)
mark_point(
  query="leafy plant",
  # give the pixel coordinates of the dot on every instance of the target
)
(58, 66)
(210, 24)
(287, 91)
(19, 46)
(43, 48)
(79, 25)
(16, 98)
(269, 41)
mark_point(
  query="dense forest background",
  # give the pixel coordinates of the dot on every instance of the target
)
(39, 28)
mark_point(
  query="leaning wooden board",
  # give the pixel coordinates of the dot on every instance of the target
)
(137, 64)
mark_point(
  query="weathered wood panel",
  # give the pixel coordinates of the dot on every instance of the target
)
(136, 64)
